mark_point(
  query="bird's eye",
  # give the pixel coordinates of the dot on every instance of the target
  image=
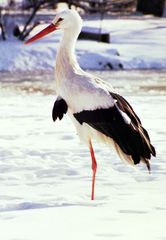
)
(59, 20)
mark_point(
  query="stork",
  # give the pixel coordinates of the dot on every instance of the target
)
(96, 110)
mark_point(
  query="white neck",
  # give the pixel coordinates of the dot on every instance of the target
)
(68, 43)
(66, 62)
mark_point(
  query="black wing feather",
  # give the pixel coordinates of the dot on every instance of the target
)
(126, 107)
(132, 138)
(59, 109)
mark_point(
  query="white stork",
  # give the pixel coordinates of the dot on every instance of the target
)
(96, 110)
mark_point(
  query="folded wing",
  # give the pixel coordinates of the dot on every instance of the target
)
(121, 124)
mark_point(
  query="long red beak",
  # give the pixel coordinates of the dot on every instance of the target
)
(52, 27)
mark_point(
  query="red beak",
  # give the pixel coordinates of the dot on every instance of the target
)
(52, 27)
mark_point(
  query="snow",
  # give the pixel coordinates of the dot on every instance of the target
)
(136, 43)
(79, 223)
(45, 173)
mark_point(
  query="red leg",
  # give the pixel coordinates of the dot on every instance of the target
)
(94, 168)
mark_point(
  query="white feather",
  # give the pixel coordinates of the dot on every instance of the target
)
(124, 115)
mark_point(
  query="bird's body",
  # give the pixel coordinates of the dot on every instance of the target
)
(96, 110)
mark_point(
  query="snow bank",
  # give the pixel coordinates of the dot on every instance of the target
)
(135, 44)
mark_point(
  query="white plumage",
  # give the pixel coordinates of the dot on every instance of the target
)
(95, 109)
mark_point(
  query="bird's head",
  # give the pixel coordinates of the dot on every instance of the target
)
(68, 19)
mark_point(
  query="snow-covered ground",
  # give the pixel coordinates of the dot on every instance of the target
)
(136, 43)
(45, 173)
